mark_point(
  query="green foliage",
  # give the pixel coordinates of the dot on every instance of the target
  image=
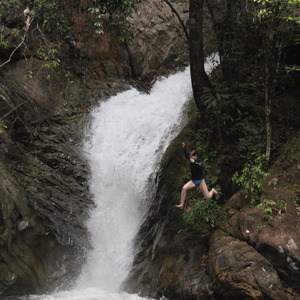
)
(52, 23)
(201, 140)
(224, 106)
(126, 31)
(117, 12)
(292, 69)
(218, 102)
(278, 23)
(267, 207)
(53, 19)
(250, 36)
(4, 42)
(99, 16)
(270, 207)
(251, 138)
(28, 74)
(7, 36)
(250, 178)
(5, 6)
(288, 10)
(260, 228)
(206, 211)
(49, 56)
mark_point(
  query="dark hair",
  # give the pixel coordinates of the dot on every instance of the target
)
(193, 153)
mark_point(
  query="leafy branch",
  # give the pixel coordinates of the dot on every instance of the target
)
(117, 12)
(27, 26)
(250, 178)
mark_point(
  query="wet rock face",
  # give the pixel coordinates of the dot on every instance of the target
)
(238, 270)
(246, 257)
(44, 193)
(172, 265)
(44, 205)
(173, 256)
(257, 259)
(159, 44)
(277, 240)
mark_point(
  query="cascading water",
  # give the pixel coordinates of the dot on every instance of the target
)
(125, 143)
(128, 137)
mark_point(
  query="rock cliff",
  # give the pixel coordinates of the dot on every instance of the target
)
(44, 194)
(244, 257)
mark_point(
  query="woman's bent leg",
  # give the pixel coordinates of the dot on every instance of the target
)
(189, 185)
(207, 194)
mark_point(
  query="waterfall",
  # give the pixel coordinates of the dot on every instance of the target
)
(128, 136)
(125, 142)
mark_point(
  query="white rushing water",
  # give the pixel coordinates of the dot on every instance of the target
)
(125, 143)
(128, 136)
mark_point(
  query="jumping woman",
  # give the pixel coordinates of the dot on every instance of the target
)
(197, 178)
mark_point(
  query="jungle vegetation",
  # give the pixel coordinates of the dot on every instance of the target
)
(251, 98)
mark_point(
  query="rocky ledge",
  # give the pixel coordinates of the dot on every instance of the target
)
(244, 257)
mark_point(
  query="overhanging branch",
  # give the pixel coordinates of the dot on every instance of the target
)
(180, 20)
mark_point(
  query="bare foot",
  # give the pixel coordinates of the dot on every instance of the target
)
(216, 194)
(179, 206)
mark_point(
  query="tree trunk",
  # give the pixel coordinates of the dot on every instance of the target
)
(268, 123)
(218, 29)
(224, 16)
(198, 74)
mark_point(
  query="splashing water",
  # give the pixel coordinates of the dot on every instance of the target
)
(128, 137)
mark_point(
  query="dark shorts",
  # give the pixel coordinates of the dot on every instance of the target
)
(197, 182)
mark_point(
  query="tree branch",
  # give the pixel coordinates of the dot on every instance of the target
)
(27, 25)
(180, 20)
(13, 109)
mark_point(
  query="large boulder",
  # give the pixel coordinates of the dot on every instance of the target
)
(278, 239)
(160, 44)
(239, 271)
